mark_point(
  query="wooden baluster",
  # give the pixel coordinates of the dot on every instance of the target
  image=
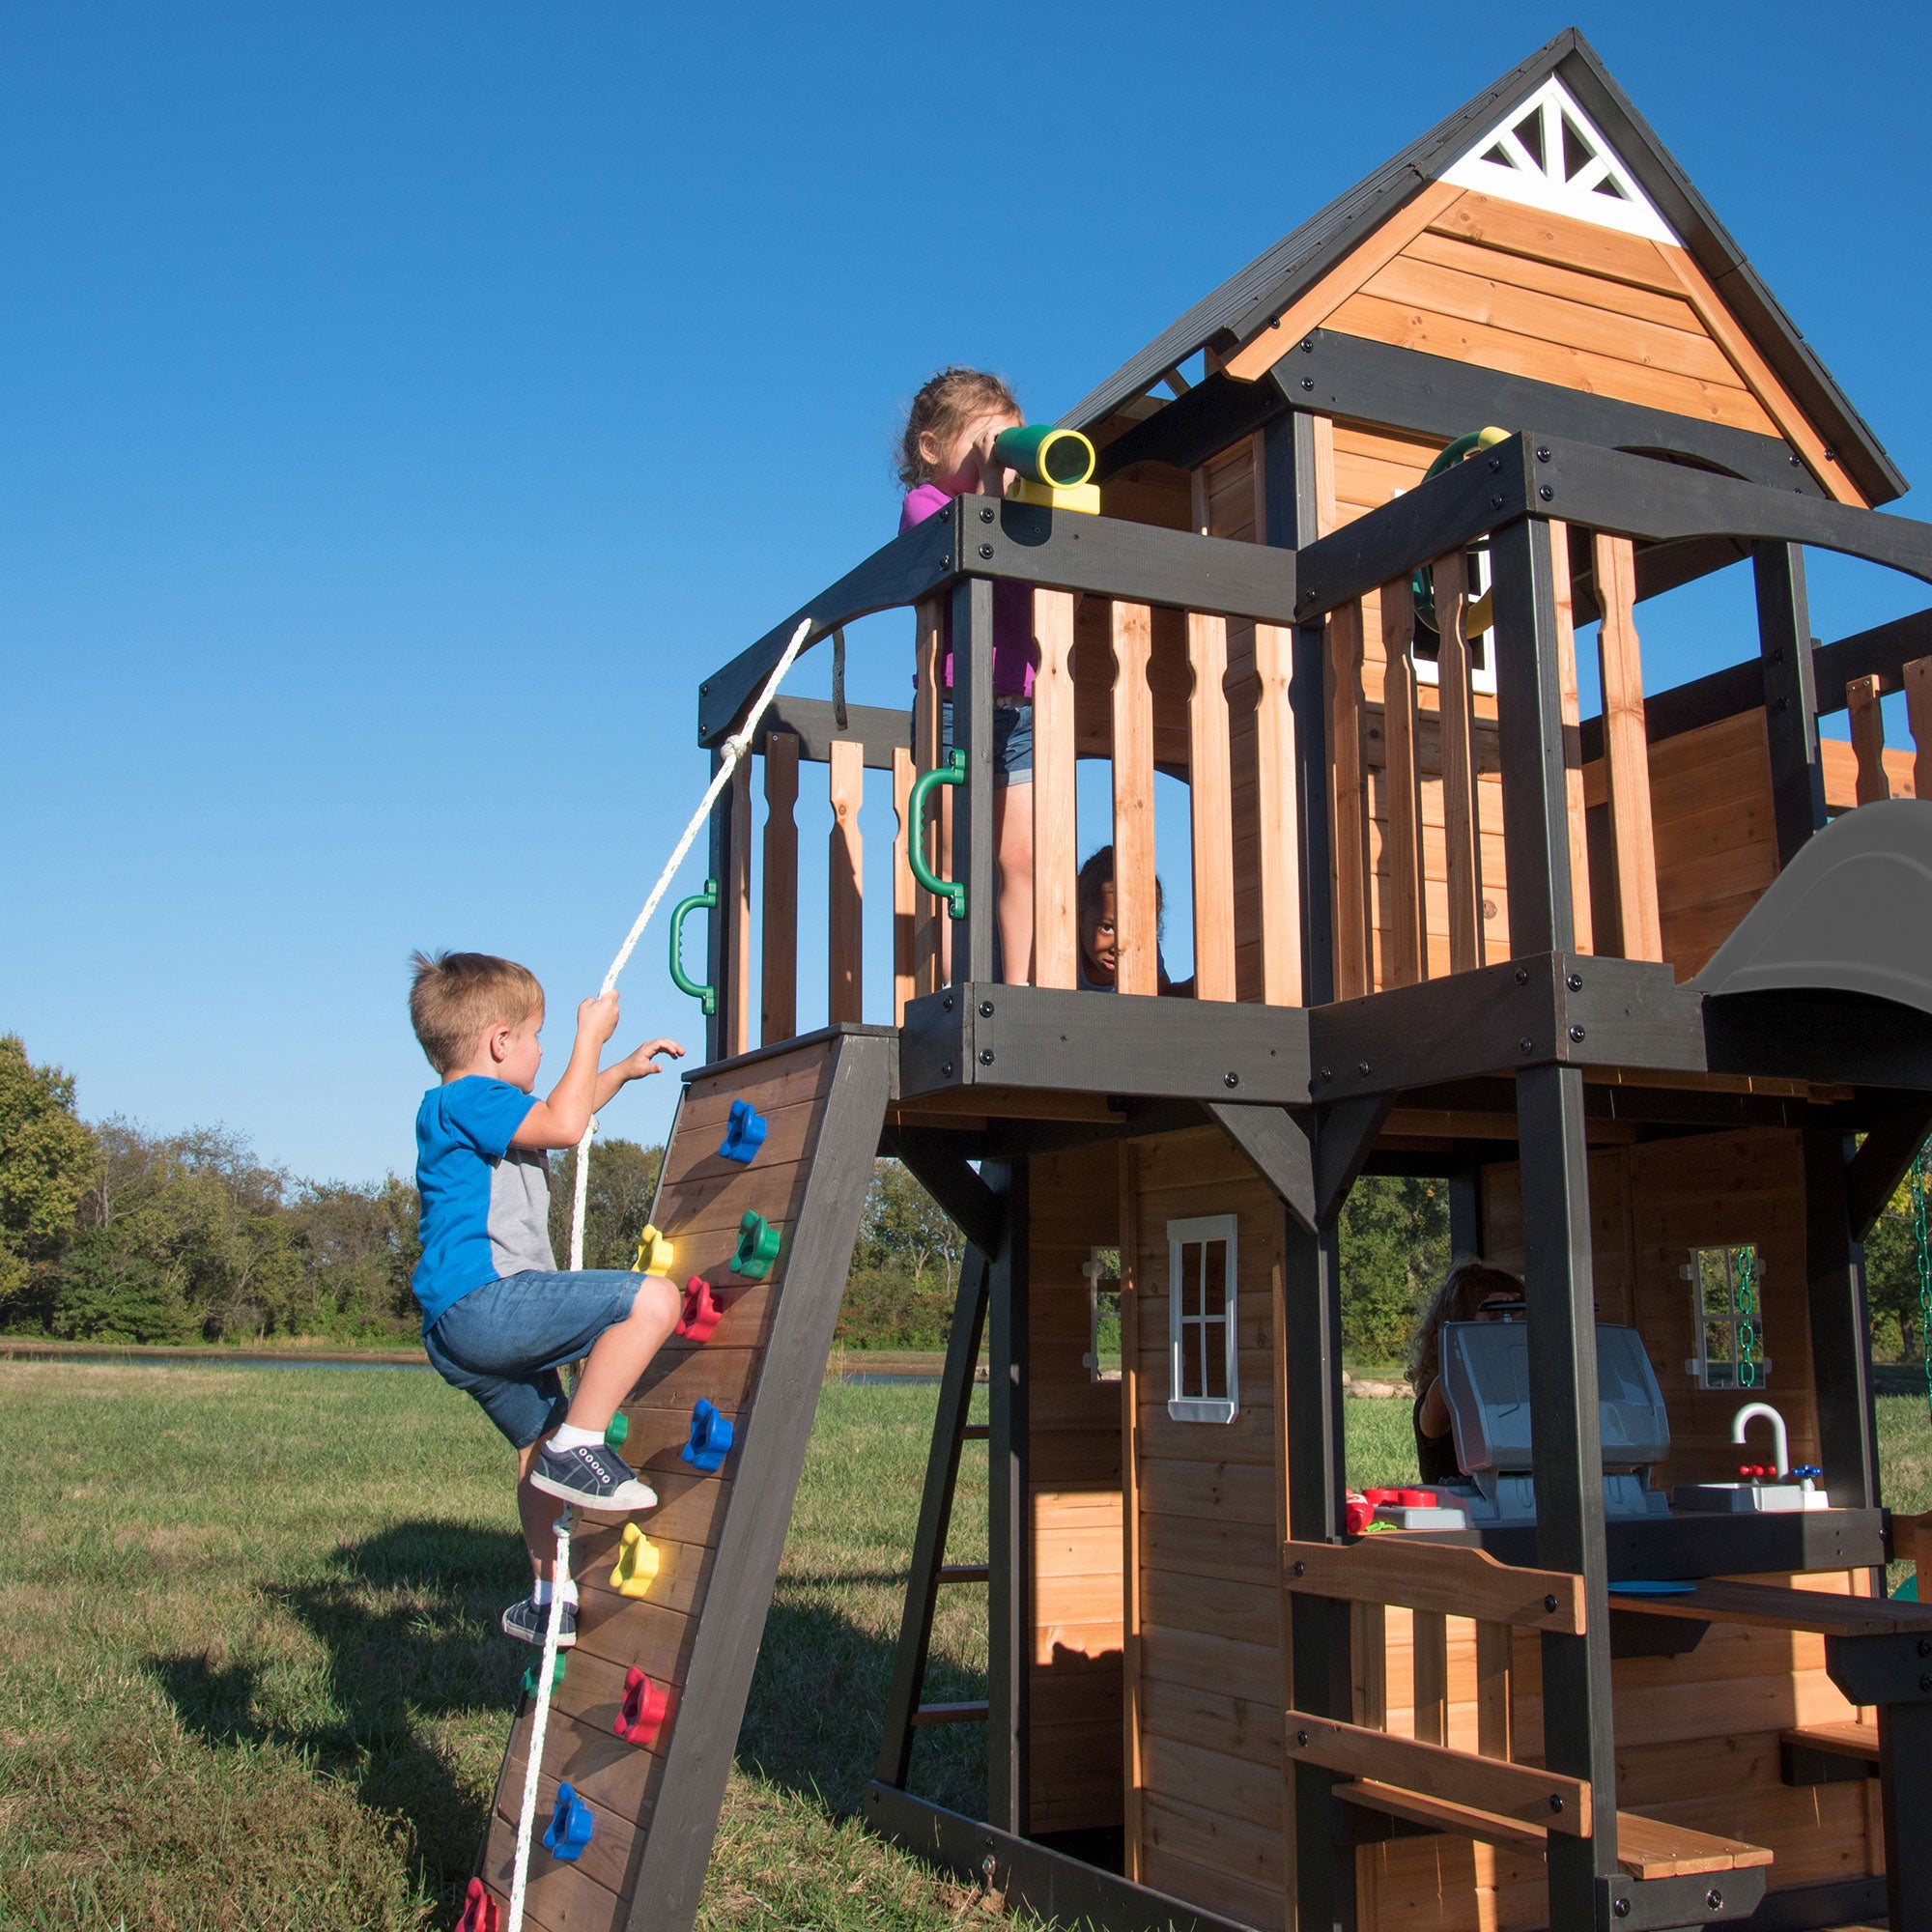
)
(846, 887)
(1868, 740)
(1918, 720)
(780, 1019)
(736, 912)
(1627, 749)
(1368, 1650)
(1460, 828)
(1495, 1645)
(1135, 914)
(1432, 1656)
(929, 918)
(1279, 823)
(904, 889)
(1212, 809)
(1349, 861)
(1056, 943)
(1406, 955)
(1572, 746)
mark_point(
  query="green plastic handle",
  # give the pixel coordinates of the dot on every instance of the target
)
(951, 773)
(705, 901)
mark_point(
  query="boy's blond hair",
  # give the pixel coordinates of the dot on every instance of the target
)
(455, 997)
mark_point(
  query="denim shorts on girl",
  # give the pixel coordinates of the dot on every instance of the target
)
(1013, 737)
(505, 1342)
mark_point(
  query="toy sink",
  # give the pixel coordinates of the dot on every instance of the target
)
(1746, 1499)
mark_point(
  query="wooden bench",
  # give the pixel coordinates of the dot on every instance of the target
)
(1774, 1606)
(1647, 1848)
(1840, 1753)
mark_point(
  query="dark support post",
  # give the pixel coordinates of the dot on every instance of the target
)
(935, 1518)
(1567, 1455)
(1466, 1214)
(1905, 1788)
(717, 1027)
(1318, 1626)
(973, 809)
(1790, 695)
(1840, 1329)
(1009, 1528)
(1529, 722)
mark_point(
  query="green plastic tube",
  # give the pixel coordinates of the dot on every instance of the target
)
(1044, 454)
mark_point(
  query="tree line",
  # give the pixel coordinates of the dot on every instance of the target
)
(109, 1232)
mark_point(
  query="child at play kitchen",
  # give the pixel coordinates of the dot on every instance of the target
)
(498, 1318)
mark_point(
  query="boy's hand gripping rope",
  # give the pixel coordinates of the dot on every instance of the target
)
(735, 748)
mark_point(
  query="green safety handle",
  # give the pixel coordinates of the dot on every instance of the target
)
(705, 901)
(951, 773)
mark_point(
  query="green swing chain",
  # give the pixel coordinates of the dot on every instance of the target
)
(1921, 1240)
(1746, 1304)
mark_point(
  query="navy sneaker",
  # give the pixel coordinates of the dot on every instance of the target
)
(594, 1477)
(529, 1621)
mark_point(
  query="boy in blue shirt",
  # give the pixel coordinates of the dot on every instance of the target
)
(500, 1320)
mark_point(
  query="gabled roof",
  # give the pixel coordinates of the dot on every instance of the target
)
(1268, 284)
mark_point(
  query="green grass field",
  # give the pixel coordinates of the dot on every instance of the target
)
(250, 1675)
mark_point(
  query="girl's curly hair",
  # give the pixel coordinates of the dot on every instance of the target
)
(1464, 1291)
(952, 397)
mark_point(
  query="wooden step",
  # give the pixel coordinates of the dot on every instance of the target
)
(1647, 1848)
(963, 1572)
(1846, 1740)
(968, 1713)
(974, 1431)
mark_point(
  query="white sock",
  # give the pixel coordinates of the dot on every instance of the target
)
(567, 1438)
(543, 1592)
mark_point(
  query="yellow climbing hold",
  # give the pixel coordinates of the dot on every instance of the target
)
(637, 1564)
(654, 1254)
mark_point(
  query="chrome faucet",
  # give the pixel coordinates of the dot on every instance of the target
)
(1781, 1441)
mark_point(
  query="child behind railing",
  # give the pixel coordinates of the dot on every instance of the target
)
(1100, 938)
(947, 452)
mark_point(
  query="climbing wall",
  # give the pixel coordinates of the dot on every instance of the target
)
(718, 1536)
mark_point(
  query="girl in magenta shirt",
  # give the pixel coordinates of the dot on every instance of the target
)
(947, 452)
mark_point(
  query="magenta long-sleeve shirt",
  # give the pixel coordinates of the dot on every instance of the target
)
(1014, 652)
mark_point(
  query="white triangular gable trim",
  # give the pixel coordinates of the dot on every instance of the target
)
(1548, 153)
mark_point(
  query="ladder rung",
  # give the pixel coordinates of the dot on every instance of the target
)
(974, 1431)
(963, 1572)
(952, 1714)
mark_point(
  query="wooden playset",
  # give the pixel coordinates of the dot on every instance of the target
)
(1648, 990)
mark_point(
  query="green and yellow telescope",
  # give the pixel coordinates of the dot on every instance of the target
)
(1054, 467)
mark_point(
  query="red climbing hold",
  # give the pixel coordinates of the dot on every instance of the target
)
(642, 1710)
(480, 1910)
(701, 1314)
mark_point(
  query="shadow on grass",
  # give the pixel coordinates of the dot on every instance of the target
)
(408, 1622)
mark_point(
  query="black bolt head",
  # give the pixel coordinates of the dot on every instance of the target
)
(1362, 1067)
(1543, 452)
(985, 1056)
(1496, 502)
(1575, 982)
(1308, 381)
(1522, 976)
(1525, 1044)
(1925, 1684)
(1327, 1074)
(986, 551)
(1230, 1078)
(1549, 1602)
(985, 1010)
(1925, 1646)
(1301, 1739)
(946, 1003)
(1547, 495)
(1622, 1908)
(1301, 1568)
(946, 1069)
(1576, 1033)
(1714, 1899)
(986, 515)
(1308, 349)
(1556, 1800)
(1495, 466)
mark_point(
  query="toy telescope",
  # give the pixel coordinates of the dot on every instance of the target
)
(1054, 466)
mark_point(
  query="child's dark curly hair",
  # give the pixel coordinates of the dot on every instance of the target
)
(944, 401)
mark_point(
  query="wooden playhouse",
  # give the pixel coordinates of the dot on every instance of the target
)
(1648, 990)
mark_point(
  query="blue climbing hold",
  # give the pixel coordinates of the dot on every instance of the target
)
(570, 1830)
(710, 1438)
(745, 1134)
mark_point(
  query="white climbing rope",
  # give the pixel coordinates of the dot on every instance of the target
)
(540, 1722)
(735, 748)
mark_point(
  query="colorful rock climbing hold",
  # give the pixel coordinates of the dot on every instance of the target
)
(700, 1313)
(745, 1134)
(532, 1674)
(757, 1247)
(570, 1829)
(619, 1428)
(710, 1437)
(654, 1254)
(637, 1561)
(480, 1910)
(642, 1710)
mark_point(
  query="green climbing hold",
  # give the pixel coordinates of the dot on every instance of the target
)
(620, 1427)
(531, 1676)
(757, 1249)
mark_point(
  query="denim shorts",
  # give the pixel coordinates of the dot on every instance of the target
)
(1012, 740)
(505, 1342)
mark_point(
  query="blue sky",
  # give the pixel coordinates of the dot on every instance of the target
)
(406, 404)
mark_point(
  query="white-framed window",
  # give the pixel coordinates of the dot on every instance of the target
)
(1102, 1269)
(1203, 1261)
(1727, 1318)
(1547, 153)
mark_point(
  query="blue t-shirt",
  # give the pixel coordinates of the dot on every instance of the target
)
(485, 1204)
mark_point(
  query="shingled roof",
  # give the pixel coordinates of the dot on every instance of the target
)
(1268, 284)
